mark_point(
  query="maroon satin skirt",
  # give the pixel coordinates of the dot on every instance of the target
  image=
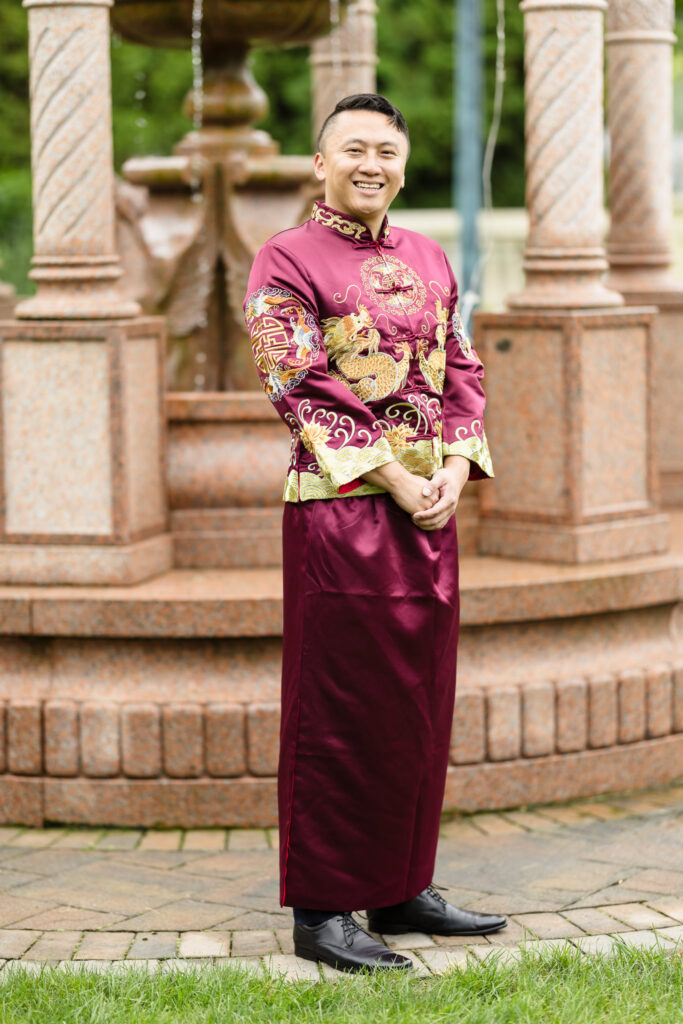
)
(368, 683)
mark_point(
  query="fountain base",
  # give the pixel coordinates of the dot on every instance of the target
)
(159, 704)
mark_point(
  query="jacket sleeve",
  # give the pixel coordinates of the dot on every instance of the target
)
(284, 327)
(463, 396)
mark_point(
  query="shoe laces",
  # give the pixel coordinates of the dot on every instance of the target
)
(436, 895)
(350, 928)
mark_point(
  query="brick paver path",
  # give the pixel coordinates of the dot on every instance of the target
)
(588, 873)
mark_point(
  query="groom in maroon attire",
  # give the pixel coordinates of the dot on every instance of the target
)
(359, 345)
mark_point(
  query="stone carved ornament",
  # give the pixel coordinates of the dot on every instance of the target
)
(646, 15)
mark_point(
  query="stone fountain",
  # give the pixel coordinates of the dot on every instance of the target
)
(190, 260)
(140, 651)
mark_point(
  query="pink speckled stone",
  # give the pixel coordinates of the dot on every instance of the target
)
(22, 801)
(192, 803)
(504, 727)
(3, 731)
(144, 433)
(227, 538)
(659, 700)
(563, 776)
(468, 742)
(227, 464)
(24, 738)
(603, 711)
(632, 710)
(668, 410)
(678, 699)
(263, 738)
(61, 737)
(165, 670)
(83, 564)
(225, 740)
(100, 739)
(558, 495)
(83, 487)
(141, 740)
(183, 740)
(572, 715)
(538, 719)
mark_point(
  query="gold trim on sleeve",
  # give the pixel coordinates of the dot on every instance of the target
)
(474, 448)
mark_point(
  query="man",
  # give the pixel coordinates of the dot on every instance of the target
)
(359, 346)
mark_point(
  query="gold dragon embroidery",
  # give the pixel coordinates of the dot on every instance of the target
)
(352, 343)
(433, 366)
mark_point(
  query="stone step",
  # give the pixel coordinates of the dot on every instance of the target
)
(248, 602)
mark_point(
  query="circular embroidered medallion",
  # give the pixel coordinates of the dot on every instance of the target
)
(395, 286)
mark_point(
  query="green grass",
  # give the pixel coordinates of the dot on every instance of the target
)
(559, 987)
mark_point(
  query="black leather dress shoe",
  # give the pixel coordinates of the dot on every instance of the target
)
(430, 913)
(342, 943)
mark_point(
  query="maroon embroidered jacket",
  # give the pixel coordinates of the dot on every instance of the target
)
(360, 346)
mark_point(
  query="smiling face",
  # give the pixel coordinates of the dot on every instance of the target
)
(362, 163)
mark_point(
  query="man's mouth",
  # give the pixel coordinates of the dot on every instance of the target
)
(368, 186)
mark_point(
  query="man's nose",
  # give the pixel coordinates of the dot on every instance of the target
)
(370, 163)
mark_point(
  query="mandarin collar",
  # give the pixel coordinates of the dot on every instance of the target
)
(350, 227)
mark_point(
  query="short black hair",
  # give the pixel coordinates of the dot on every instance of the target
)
(366, 101)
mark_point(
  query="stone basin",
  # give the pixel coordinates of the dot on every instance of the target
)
(227, 23)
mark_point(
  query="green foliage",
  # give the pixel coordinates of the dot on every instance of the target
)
(415, 70)
(148, 89)
(285, 75)
(14, 109)
(16, 238)
(561, 987)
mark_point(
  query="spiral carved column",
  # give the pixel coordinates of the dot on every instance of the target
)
(564, 257)
(640, 116)
(345, 61)
(640, 80)
(568, 415)
(82, 457)
(75, 264)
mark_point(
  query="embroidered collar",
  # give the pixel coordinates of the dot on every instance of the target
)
(348, 226)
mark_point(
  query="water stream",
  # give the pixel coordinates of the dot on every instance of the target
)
(197, 92)
(195, 160)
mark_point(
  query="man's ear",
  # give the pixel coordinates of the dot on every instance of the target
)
(319, 166)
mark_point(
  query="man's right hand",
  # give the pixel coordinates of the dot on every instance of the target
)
(412, 493)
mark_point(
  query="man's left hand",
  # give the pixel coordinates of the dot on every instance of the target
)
(450, 481)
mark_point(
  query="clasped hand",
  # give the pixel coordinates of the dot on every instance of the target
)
(443, 492)
(431, 503)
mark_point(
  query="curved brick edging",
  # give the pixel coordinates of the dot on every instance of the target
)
(193, 764)
(158, 704)
(253, 802)
(490, 786)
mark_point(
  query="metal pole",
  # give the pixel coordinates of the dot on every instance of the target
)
(467, 123)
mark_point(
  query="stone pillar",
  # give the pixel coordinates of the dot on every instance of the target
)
(82, 492)
(564, 259)
(640, 116)
(345, 61)
(75, 265)
(568, 368)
